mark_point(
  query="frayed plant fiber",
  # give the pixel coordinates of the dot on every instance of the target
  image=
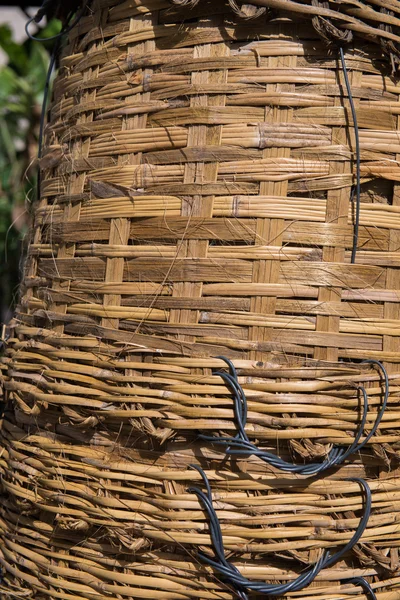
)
(196, 202)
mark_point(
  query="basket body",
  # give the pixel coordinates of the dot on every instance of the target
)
(195, 202)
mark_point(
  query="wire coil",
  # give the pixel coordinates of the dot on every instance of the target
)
(68, 26)
(243, 585)
(240, 444)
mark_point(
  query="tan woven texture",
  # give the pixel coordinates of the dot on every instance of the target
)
(195, 203)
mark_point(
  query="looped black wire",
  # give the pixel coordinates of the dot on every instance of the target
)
(357, 187)
(241, 585)
(42, 12)
(363, 583)
(241, 445)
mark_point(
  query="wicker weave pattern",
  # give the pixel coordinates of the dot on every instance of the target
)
(337, 22)
(195, 202)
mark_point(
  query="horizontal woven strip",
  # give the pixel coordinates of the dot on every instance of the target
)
(197, 201)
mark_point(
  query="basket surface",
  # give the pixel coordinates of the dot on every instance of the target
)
(196, 203)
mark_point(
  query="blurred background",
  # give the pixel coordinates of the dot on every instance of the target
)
(23, 71)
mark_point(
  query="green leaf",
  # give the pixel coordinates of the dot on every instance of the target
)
(52, 28)
(38, 64)
(6, 141)
(8, 82)
(15, 107)
(16, 53)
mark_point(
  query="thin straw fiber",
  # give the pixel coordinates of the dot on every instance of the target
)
(201, 380)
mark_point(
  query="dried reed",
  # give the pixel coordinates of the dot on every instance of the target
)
(196, 203)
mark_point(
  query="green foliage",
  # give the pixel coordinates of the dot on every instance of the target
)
(15, 52)
(22, 81)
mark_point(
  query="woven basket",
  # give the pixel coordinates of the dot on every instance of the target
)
(196, 202)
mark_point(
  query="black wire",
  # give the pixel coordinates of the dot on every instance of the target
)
(369, 592)
(242, 585)
(43, 111)
(385, 398)
(66, 29)
(241, 445)
(358, 160)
